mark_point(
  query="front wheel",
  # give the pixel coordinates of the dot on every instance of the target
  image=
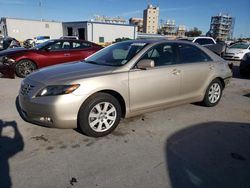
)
(213, 93)
(24, 67)
(99, 115)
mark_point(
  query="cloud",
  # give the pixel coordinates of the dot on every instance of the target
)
(12, 2)
(175, 9)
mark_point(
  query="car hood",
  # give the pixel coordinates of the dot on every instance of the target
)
(69, 71)
(235, 50)
(10, 51)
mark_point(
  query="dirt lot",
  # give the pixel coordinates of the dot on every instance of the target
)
(186, 146)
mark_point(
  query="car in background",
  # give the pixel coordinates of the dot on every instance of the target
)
(122, 80)
(40, 39)
(237, 51)
(8, 42)
(69, 37)
(28, 43)
(48, 53)
(208, 42)
(245, 65)
(1, 42)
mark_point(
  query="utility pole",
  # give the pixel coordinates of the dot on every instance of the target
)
(40, 8)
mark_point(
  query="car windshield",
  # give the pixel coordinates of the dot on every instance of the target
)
(118, 54)
(42, 45)
(240, 46)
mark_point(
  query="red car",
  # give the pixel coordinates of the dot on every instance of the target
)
(48, 53)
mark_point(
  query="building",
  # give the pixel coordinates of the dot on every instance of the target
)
(150, 19)
(181, 31)
(99, 32)
(168, 28)
(137, 22)
(22, 29)
(222, 27)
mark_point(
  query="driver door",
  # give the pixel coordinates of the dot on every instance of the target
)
(58, 52)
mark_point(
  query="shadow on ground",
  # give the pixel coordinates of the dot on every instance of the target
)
(8, 148)
(210, 155)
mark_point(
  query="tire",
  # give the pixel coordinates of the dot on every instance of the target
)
(213, 93)
(99, 115)
(24, 67)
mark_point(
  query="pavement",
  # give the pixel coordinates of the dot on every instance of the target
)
(185, 146)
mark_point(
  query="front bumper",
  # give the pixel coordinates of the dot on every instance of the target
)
(52, 111)
(232, 57)
(7, 70)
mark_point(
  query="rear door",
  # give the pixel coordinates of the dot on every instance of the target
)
(158, 85)
(81, 50)
(196, 68)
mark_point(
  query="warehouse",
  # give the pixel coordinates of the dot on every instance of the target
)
(99, 32)
(22, 29)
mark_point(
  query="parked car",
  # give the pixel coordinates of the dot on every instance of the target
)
(69, 37)
(122, 80)
(8, 42)
(1, 42)
(48, 53)
(245, 65)
(40, 40)
(210, 43)
(28, 43)
(237, 51)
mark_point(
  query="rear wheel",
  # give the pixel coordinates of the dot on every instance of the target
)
(213, 93)
(24, 67)
(99, 115)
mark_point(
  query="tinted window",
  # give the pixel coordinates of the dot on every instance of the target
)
(191, 54)
(57, 46)
(204, 41)
(162, 54)
(80, 45)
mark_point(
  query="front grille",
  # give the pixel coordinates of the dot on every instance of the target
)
(26, 89)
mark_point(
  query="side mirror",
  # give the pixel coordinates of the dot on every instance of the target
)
(145, 64)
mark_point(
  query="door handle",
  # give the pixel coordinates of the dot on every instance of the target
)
(67, 54)
(211, 67)
(176, 72)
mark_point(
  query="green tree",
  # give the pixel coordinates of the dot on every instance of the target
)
(195, 32)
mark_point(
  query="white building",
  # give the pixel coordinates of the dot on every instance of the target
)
(22, 29)
(99, 32)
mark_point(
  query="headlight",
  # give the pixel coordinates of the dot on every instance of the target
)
(7, 60)
(240, 52)
(57, 90)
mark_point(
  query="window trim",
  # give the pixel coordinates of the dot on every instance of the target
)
(178, 54)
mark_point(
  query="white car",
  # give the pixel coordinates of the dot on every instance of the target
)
(41, 39)
(237, 51)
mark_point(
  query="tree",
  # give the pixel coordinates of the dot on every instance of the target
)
(195, 32)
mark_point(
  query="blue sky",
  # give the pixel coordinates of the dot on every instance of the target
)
(192, 13)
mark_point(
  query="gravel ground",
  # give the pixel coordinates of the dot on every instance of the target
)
(185, 146)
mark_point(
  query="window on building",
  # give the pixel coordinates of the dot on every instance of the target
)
(46, 25)
(101, 39)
